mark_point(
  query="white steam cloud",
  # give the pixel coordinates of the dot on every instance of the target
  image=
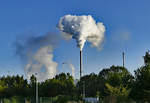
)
(42, 63)
(72, 69)
(122, 35)
(82, 28)
(37, 54)
(71, 66)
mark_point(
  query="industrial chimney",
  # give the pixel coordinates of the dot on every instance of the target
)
(123, 54)
(80, 64)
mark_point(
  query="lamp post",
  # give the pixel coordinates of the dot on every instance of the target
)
(36, 89)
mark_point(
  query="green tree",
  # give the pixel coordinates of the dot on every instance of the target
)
(32, 86)
(141, 87)
(88, 85)
(117, 82)
(147, 58)
(62, 84)
(2, 89)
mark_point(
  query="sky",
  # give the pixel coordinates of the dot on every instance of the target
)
(127, 29)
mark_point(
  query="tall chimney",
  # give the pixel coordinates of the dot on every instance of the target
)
(123, 58)
(83, 83)
(80, 64)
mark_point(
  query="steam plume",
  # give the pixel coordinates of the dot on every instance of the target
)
(72, 69)
(82, 28)
(37, 54)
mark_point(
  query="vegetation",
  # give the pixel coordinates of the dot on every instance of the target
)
(112, 85)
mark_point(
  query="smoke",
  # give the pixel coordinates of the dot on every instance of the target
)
(72, 69)
(71, 66)
(82, 29)
(37, 54)
(121, 36)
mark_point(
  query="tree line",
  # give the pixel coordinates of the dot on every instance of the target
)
(115, 84)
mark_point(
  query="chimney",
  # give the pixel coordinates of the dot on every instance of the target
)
(80, 64)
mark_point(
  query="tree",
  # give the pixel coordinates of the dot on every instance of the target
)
(62, 84)
(116, 82)
(20, 86)
(2, 89)
(14, 86)
(89, 85)
(118, 93)
(32, 86)
(147, 58)
(141, 88)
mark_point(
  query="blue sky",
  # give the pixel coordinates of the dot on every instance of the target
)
(127, 29)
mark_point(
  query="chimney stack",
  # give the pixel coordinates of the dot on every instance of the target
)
(80, 64)
(123, 54)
